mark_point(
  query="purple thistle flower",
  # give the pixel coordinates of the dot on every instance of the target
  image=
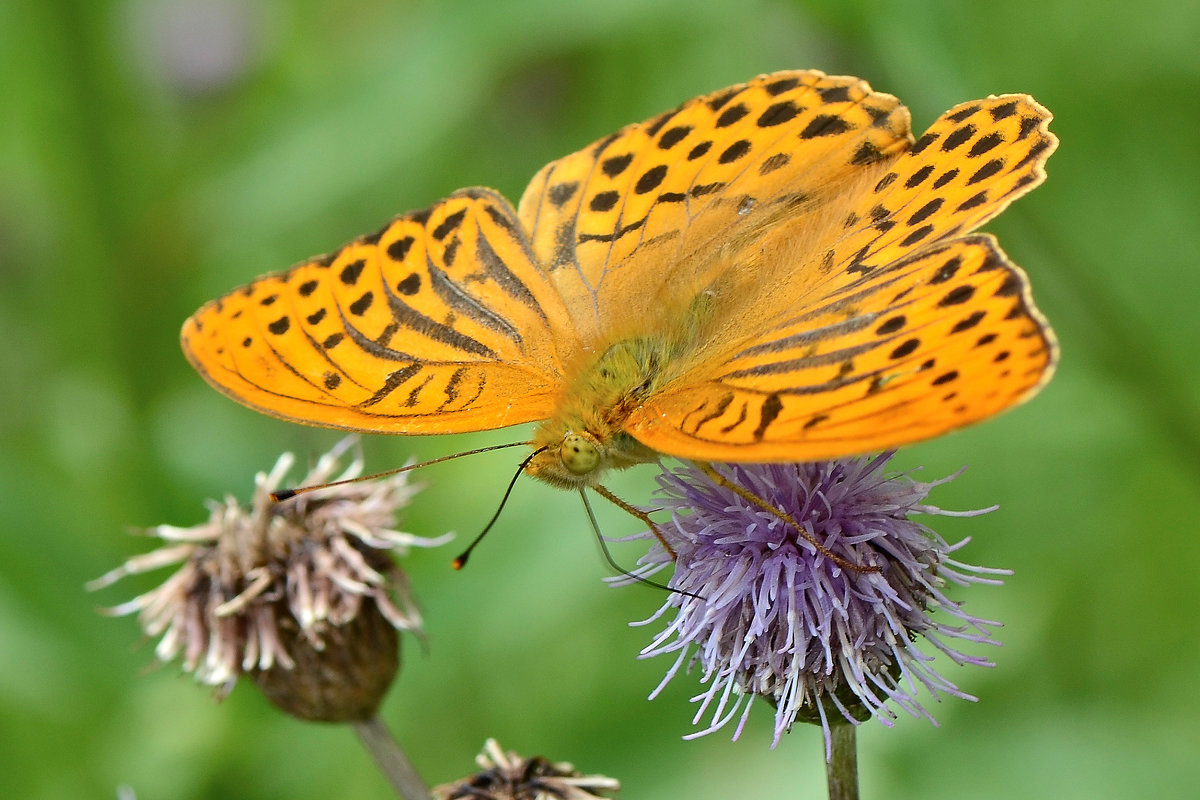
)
(766, 612)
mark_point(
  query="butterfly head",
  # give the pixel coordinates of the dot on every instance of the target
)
(579, 454)
(576, 457)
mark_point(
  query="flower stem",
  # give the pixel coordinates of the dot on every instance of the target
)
(841, 771)
(391, 759)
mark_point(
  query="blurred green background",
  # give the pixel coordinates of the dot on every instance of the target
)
(156, 154)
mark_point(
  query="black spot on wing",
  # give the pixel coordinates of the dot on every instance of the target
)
(448, 225)
(604, 201)
(945, 178)
(360, 306)
(718, 101)
(917, 177)
(350, 273)
(957, 295)
(706, 188)
(393, 381)
(451, 251)
(615, 165)
(771, 407)
(398, 249)
(732, 115)
(778, 87)
(985, 143)
(926, 140)
(917, 235)
(885, 182)
(673, 136)
(1041, 146)
(926, 211)
(655, 125)
(834, 94)
(891, 325)
(824, 125)
(973, 201)
(867, 153)
(1004, 110)
(772, 163)
(968, 323)
(715, 413)
(957, 137)
(734, 151)
(905, 349)
(500, 218)
(947, 270)
(410, 285)
(560, 194)
(777, 114)
(986, 171)
(650, 179)
(963, 113)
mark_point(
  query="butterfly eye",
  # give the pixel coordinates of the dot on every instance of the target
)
(578, 454)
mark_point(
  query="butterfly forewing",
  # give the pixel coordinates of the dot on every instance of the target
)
(972, 162)
(633, 222)
(439, 323)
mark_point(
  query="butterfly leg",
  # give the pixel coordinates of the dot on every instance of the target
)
(637, 512)
(787, 518)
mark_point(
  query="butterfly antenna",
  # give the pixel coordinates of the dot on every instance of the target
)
(287, 494)
(461, 560)
(613, 563)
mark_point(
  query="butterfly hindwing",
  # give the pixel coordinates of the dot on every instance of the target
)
(436, 324)
(951, 337)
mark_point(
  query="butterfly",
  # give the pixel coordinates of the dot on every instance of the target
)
(775, 271)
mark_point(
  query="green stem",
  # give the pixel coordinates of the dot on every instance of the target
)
(841, 771)
(391, 759)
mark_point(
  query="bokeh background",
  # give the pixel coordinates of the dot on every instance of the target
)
(156, 153)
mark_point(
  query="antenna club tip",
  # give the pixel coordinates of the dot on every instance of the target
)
(459, 562)
(285, 494)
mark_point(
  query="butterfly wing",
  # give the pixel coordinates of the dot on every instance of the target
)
(633, 227)
(898, 327)
(439, 323)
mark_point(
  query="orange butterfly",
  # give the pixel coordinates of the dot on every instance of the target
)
(772, 272)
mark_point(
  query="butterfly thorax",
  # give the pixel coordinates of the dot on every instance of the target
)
(586, 436)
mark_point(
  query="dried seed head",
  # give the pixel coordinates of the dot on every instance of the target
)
(303, 595)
